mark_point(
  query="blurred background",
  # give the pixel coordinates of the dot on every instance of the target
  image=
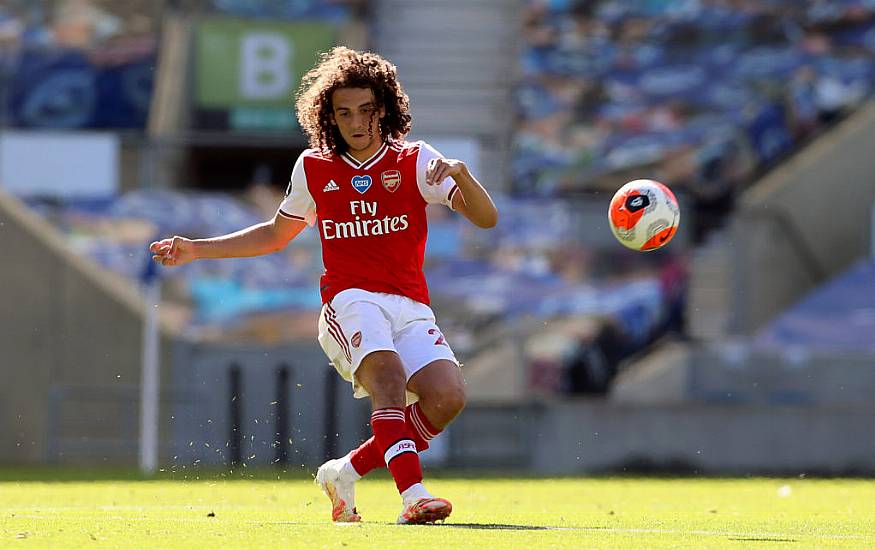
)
(745, 346)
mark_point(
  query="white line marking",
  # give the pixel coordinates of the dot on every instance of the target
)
(617, 530)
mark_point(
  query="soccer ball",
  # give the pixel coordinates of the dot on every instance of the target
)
(644, 215)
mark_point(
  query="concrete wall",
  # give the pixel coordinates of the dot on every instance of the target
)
(733, 374)
(804, 222)
(585, 436)
(65, 325)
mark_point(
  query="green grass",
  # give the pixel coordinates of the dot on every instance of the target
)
(114, 512)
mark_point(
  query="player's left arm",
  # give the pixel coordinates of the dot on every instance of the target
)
(471, 200)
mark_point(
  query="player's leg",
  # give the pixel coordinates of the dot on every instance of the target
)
(433, 373)
(441, 390)
(440, 387)
(349, 330)
(434, 378)
(368, 359)
(383, 375)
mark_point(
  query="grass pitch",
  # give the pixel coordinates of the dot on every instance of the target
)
(489, 513)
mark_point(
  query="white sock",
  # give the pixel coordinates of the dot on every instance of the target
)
(415, 492)
(348, 472)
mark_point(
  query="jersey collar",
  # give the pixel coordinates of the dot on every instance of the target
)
(368, 163)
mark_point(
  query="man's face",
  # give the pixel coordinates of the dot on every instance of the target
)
(356, 115)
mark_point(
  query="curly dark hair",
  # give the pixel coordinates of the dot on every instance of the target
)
(343, 67)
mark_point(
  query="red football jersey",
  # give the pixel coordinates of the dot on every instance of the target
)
(370, 215)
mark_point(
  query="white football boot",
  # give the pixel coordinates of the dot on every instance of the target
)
(425, 510)
(421, 507)
(338, 483)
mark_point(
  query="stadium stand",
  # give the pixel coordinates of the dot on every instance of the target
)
(245, 297)
(337, 11)
(78, 64)
(704, 95)
(516, 275)
(541, 306)
(578, 56)
(838, 316)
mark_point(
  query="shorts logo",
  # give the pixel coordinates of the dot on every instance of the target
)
(440, 337)
(391, 180)
(361, 183)
(356, 339)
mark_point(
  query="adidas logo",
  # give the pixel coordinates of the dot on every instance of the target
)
(331, 186)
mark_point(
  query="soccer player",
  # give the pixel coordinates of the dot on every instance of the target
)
(366, 189)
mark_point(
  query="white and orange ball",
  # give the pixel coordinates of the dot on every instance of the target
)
(644, 215)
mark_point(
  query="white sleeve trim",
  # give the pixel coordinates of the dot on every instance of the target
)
(433, 194)
(298, 203)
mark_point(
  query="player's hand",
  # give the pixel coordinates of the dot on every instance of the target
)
(440, 169)
(175, 251)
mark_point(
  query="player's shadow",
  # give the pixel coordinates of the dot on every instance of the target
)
(498, 526)
(761, 539)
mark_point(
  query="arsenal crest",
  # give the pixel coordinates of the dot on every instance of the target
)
(391, 180)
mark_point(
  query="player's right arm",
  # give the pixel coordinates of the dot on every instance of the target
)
(296, 212)
(256, 240)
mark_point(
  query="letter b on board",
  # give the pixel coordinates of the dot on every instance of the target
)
(265, 65)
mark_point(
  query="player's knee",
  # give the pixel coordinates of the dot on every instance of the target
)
(455, 399)
(449, 400)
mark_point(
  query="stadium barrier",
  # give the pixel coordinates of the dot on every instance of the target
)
(280, 416)
(69, 324)
(255, 406)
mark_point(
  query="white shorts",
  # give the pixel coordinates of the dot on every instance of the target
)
(357, 322)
